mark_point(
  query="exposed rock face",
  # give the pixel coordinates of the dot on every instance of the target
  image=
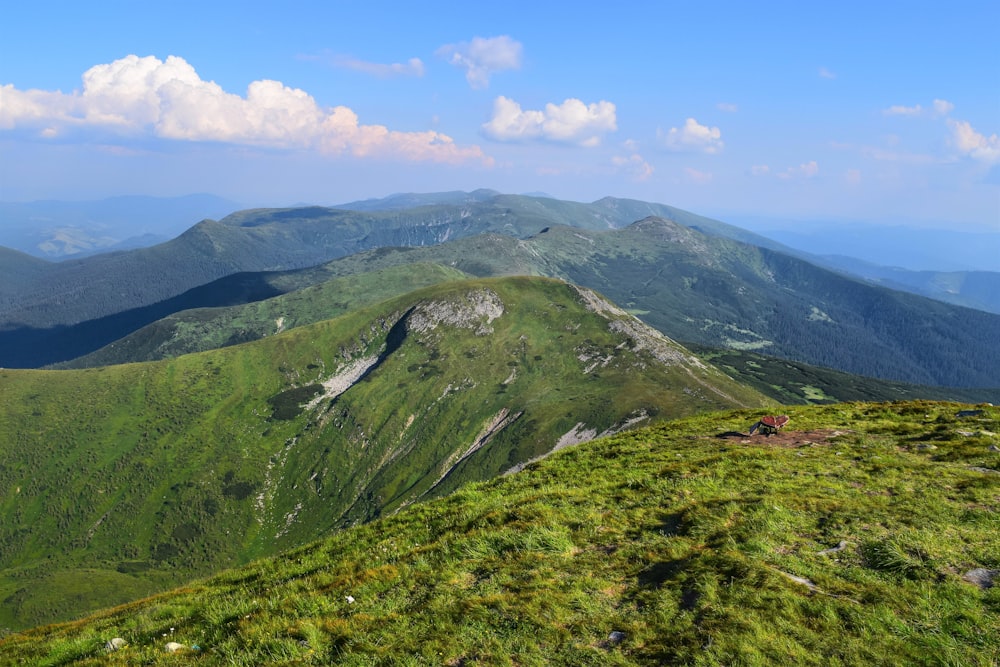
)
(476, 311)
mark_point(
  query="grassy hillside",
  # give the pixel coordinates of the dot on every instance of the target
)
(120, 479)
(201, 329)
(863, 534)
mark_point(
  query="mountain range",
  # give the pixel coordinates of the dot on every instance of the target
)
(696, 280)
(284, 375)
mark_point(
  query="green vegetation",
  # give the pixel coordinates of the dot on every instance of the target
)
(792, 383)
(144, 475)
(202, 329)
(848, 538)
(697, 280)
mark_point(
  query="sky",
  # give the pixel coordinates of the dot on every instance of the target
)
(884, 112)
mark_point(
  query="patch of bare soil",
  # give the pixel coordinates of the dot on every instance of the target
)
(787, 438)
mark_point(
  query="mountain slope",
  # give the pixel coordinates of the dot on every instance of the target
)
(722, 293)
(210, 324)
(119, 479)
(972, 289)
(863, 534)
(276, 239)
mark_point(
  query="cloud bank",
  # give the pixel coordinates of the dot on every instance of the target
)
(483, 57)
(167, 99)
(571, 122)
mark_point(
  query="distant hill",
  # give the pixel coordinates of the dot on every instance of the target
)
(120, 480)
(912, 248)
(862, 534)
(62, 229)
(723, 294)
(972, 289)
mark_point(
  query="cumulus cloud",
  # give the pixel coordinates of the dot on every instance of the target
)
(167, 99)
(412, 67)
(973, 144)
(634, 165)
(572, 122)
(693, 137)
(483, 57)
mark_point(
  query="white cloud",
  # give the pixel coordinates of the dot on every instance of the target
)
(853, 176)
(805, 170)
(693, 137)
(483, 57)
(760, 170)
(412, 67)
(973, 144)
(943, 107)
(938, 109)
(167, 99)
(727, 107)
(634, 165)
(570, 122)
(899, 110)
(696, 176)
(826, 74)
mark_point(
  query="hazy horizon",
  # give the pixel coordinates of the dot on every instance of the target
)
(857, 112)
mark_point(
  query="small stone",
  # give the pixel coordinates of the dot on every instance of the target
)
(840, 547)
(114, 644)
(350, 599)
(616, 637)
(925, 447)
(173, 647)
(993, 448)
(981, 577)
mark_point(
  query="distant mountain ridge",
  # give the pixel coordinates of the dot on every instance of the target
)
(63, 229)
(706, 290)
(684, 273)
(972, 289)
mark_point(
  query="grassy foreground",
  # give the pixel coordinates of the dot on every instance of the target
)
(846, 539)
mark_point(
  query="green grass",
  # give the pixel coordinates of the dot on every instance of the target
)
(202, 329)
(147, 475)
(699, 549)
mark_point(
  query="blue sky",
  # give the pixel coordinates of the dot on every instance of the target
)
(880, 112)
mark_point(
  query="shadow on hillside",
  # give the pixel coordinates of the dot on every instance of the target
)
(30, 347)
